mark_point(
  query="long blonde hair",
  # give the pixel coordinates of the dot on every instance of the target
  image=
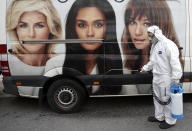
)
(18, 7)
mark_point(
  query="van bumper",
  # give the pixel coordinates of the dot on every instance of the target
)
(27, 86)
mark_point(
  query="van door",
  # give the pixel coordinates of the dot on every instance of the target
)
(3, 51)
(2, 22)
(190, 41)
(187, 51)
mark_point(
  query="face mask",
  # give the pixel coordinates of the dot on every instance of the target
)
(153, 40)
(150, 38)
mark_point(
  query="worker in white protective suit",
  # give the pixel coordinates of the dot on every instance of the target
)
(166, 67)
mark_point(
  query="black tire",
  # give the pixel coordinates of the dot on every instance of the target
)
(66, 96)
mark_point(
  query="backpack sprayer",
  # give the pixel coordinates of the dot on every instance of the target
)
(176, 101)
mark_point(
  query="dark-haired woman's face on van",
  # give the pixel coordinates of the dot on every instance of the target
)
(138, 31)
(90, 24)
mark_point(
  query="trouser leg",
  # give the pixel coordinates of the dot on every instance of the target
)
(168, 118)
(167, 108)
(164, 85)
(159, 115)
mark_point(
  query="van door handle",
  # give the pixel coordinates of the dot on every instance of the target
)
(61, 41)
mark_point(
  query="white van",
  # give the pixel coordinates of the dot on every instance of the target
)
(69, 50)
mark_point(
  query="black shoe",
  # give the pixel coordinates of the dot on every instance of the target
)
(165, 125)
(153, 119)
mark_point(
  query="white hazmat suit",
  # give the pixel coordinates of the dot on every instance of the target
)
(165, 65)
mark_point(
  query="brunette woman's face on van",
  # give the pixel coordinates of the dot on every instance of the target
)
(90, 24)
(138, 32)
(33, 26)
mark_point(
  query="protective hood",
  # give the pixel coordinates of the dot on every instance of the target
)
(157, 32)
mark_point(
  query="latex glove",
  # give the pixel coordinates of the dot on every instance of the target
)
(176, 81)
(142, 70)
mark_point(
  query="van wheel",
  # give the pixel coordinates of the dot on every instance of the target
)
(66, 96)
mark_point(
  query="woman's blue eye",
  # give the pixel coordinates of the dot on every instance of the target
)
(39, 25)
(22, 25)
(147, 24)
(98, 25)
(132, 22)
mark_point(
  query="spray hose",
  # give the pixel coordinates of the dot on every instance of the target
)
(159, 101)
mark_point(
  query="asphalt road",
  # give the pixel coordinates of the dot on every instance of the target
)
(98, 114)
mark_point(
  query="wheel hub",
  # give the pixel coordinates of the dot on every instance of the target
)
(66, 96)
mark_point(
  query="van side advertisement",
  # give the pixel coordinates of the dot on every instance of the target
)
(121, 25)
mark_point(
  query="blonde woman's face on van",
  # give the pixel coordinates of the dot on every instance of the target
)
(33, 26)
(90, 24)
(138, 32)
